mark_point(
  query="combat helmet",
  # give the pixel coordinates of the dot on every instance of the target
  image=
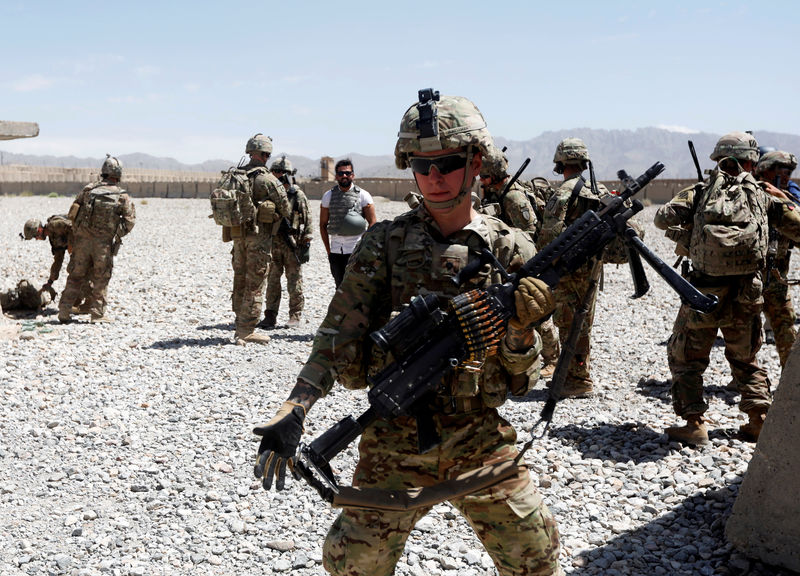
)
(438, 123)
(283, 165)
(495, 164)
(776, 158)
(31, 228)
(571, 151)
(112, 168)
(738, 145)
(259, 143)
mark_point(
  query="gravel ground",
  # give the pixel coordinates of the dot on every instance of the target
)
(127, 449)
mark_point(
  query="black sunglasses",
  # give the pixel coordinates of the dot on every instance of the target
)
(444, 164)
(344, 172)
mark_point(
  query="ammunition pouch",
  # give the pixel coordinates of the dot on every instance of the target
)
(682, 236)
(73, 212)
(236, 232)
(226, 234)
(266, 212)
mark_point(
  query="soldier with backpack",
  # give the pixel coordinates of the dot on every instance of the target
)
(101, 215)
(290, 250)
(727, 218)
(250, 203)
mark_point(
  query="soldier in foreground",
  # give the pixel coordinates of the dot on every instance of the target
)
(252, 241)
(727, 236)
(101, 215)
(574, 197)
(290, 250)
(518, 211)
(443, 141)
(776, 168)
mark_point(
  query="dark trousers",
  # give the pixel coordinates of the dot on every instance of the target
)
(338, 263)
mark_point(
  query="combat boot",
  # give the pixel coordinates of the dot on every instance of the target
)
(84, 308)
(752, 430)
(578, 388)
(270, 318)
(547, 370)
(64, 317)
(242, 337)
(294, 320)
(694, 433)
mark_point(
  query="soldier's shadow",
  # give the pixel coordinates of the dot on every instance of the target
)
(671, 542)
(629, 441)
(174, 343)
(292, 337)
(660, 390)
(226, 326)
(29, 314)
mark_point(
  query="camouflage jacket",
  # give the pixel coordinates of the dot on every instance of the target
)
(394, 262)
(59, 233)
(557, 216)
(300, 215)
(515, 208)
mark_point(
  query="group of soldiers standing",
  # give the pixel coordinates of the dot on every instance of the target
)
(736, 227)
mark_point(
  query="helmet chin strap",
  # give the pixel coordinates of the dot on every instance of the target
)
(463, 194)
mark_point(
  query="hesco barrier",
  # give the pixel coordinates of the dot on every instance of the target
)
(20, 180)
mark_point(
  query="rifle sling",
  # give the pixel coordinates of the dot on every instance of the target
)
(574, 194)
(427, 496)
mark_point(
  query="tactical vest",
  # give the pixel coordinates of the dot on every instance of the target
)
(417, 264)
(730, 233)
(341, 204)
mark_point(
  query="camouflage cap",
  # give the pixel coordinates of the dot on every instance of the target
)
(31, 228)
(259, 143)
(283, 165)
(495, 164)
(738, 145)
(776, 158)
(458, 123)
(111, 168)
(571, 151)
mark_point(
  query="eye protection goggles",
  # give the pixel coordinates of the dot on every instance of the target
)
(444, 164)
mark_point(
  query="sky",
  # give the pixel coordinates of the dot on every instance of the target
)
(194, 80)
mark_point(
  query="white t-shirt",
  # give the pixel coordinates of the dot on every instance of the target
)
(345, 244)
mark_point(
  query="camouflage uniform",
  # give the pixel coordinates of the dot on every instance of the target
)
(286, 258)
(94, 249)
(394, 262)
(571, 288)
(515, 209)
(778, 306)
(252, 248)
(738, 314)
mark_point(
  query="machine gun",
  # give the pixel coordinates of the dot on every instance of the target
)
(428, 340)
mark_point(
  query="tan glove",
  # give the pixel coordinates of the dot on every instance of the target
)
(534, 300)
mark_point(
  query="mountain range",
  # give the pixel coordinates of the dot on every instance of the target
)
(610, 150)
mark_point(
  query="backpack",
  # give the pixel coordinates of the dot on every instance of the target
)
(538, 191)
(104, 210)
(730, 233)
(232, 199)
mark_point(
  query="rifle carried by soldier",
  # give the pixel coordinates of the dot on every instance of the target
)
(285, 230)
(427, 340)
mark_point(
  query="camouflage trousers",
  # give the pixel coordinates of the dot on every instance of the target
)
(511, 520)
(285, 260)
(781, 315)
(91, 261)
(550, 343)
(250, 260)
(569, 295)
(738, 316)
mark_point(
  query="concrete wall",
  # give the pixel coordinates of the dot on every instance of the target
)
(25, 180)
